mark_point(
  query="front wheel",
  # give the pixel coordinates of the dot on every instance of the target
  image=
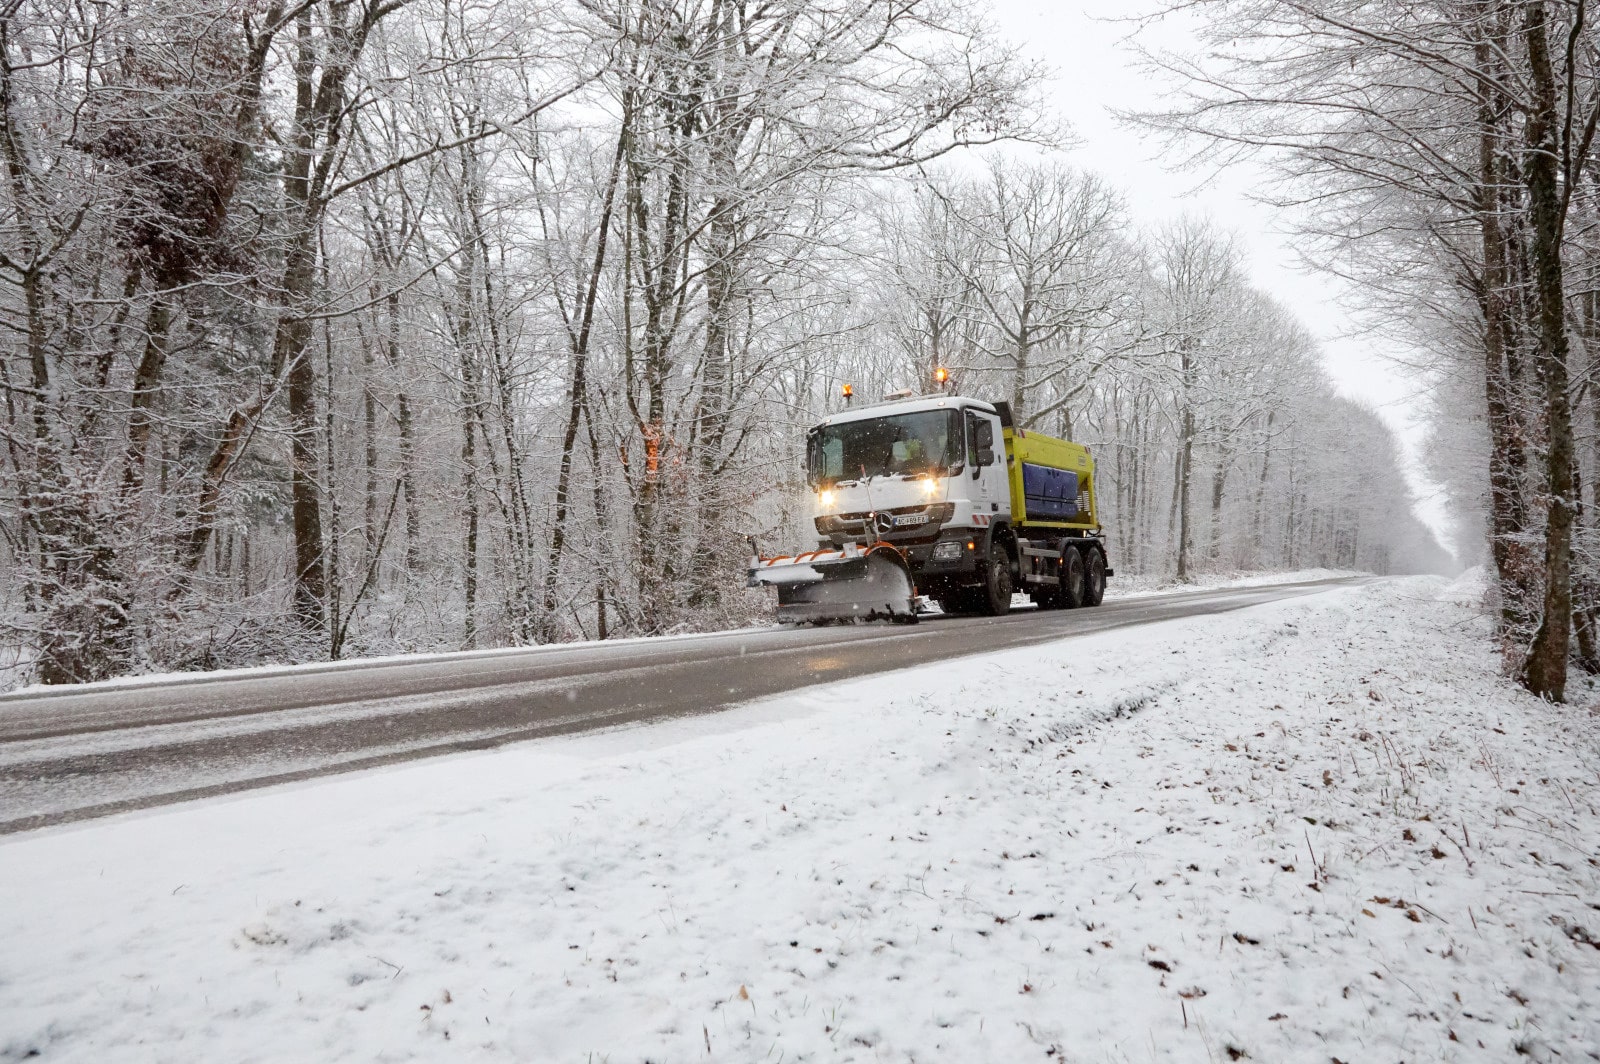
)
(997, 583)
(1094, 580)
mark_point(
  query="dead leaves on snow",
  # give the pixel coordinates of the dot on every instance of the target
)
(1409, 908)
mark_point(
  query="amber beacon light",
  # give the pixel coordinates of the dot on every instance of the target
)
(941, 376)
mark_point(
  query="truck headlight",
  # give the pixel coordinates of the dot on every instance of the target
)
(948, 551)
(826, 499)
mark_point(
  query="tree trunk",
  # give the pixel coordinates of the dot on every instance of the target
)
(1507, 454)
(711, 413)
(1185, 472)
(145, 380)
(578, 333)
(407, 433)
(330, 474)
(1545, 672)
(602, 526)
(292, 347)
(660, 262)
(469, 466)
(369, 452)
(1257, 521)
(1219, 479)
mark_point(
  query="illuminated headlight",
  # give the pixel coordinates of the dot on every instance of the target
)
(948, 551)
(826, 499)
(930, 488)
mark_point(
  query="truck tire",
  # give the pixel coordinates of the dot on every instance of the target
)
(1071, 589)
(994, 599)
(1094, 578)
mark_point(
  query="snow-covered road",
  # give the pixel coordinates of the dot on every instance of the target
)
(1324, 829)
(73, 753)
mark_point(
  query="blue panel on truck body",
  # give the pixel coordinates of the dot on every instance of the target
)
(1049, 493)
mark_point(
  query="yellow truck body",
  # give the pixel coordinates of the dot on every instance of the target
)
(1052, 481)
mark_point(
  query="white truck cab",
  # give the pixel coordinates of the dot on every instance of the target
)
(918, 464)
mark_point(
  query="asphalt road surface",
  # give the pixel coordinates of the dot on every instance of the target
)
(70, 754)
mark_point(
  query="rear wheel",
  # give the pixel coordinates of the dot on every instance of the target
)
(1071, 589)
(1094, 581)
(996, 592)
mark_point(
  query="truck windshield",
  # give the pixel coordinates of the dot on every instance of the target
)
(905, 445)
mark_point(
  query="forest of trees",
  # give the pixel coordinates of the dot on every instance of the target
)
(337, 327)
(1443, 157)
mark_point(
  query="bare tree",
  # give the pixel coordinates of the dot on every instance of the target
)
(1425, 125)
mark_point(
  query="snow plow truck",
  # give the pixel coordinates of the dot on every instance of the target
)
(939, 496)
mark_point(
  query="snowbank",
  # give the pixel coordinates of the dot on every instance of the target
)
(1131, 586)
(1470, 587)
(1319, 829)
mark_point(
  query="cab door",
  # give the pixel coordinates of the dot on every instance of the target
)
(986, 464)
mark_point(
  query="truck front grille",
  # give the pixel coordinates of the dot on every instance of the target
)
(907, 518)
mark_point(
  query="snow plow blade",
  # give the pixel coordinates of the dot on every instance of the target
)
(851, 583)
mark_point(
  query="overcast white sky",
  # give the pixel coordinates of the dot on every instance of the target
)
(1095, 72)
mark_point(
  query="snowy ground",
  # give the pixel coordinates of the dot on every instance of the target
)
(1135, 586)
(1316, 830)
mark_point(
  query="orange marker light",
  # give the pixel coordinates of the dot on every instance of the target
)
(847, 391)
(941, 375)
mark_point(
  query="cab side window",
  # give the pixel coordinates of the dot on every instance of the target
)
(980, 441)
